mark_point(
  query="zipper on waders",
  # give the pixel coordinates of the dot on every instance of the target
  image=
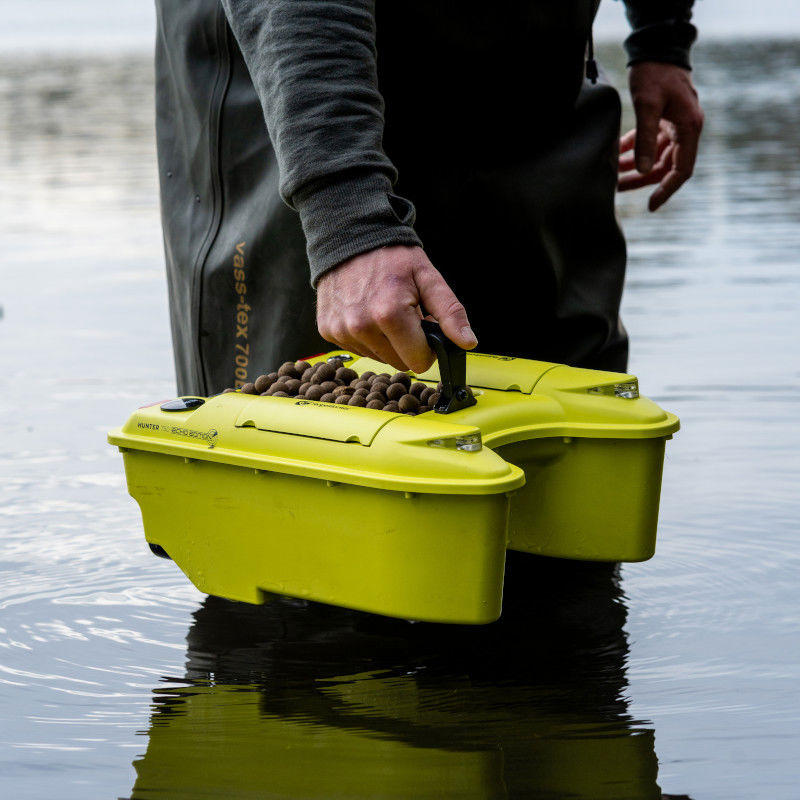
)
(218, 95)
(592, 71)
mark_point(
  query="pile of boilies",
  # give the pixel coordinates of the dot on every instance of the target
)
(332, 382)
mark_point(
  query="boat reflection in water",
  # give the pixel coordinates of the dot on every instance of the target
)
(300, 700)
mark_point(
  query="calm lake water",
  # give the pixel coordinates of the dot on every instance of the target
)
(118, 679)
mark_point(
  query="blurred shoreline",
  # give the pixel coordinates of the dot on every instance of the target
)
(98, 636)
(13, 51)
(609, 47)
(40, 28)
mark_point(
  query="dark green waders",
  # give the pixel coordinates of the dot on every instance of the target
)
(519, 218)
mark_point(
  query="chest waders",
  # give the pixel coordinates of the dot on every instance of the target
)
(507, 152)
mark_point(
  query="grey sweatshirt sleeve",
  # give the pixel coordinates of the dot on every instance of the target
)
(662, 31)
(313, 64)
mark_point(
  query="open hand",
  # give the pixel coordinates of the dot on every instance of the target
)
(663, 147)
(371, 305)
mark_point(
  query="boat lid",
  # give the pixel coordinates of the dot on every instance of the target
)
(298, 417)
(484, 371)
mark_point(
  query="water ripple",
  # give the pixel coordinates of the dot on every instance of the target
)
(688, 666)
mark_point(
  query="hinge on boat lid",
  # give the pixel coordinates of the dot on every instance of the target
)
(455, 393)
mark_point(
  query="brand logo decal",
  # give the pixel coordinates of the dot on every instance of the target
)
(209, 436)
(334, 406)
(150, 426)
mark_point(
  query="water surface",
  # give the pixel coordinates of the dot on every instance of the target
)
(118, 679)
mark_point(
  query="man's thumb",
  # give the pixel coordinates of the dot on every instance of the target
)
(440, 302)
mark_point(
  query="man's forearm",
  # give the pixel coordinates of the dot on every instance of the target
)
(313, 64)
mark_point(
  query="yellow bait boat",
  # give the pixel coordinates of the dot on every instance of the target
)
(407, 516)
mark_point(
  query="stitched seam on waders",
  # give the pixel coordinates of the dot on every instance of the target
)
(218, 95)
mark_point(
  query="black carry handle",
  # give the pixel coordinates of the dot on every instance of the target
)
(455, 393)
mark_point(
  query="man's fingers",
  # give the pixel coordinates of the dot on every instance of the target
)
(648, 119)
(440, 302)
(632, 179)
(403, 335)
(349, 333)
(383, 351)
(687, 141)
(627, 141)
(366, 339)
(684, 156)
(344, 341)
(676, 147)
(663, 95)
(673, 180)
(671, 183)
(627, 160)
(371, 303)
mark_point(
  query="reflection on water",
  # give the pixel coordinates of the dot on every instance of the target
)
(308, 701)
(568, 695)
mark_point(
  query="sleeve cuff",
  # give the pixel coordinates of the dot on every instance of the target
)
(669, 42)
(352, 214)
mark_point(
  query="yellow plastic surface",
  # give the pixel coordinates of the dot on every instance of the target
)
(236, 532)
(354, 506)
(339, 443)
(587, 499)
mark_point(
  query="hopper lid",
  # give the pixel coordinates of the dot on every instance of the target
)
(504, 373)
(298, 417)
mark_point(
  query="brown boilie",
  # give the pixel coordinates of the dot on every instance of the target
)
(325, 372)
(408, 403)
(333, 382)
(395, 391)
(292, 386)
(262, 383)
(346, 374)
(401, 377)
(287, 370)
